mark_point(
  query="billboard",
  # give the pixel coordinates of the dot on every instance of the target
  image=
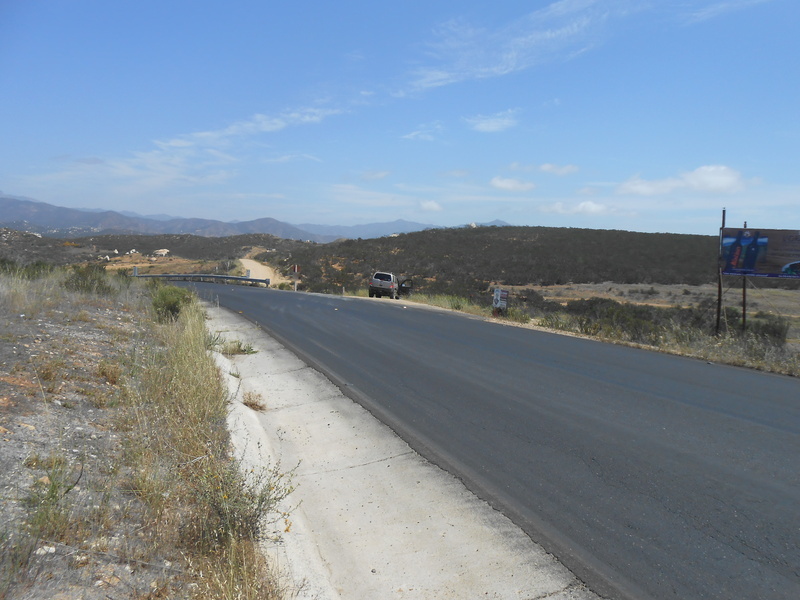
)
(760, 252)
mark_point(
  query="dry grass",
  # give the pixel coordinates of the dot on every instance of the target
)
(169, 500)
(732, 348)
(254, 401)
(234, 347)
(196, 493)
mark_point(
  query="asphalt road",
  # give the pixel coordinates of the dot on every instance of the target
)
(648, 475)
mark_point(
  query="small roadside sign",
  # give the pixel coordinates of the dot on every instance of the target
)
(500, 301)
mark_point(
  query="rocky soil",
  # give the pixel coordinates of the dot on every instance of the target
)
(71, 526)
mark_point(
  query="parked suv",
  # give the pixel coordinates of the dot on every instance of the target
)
(384, 284)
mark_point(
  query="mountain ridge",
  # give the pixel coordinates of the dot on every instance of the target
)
(56, 221)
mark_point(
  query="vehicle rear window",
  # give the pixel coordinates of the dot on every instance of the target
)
(383, 276)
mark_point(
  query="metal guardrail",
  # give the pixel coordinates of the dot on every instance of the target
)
(202, 277)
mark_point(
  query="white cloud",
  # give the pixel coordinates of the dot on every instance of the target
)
(711, 178)
(512, 185)
(714, 178)
(430, 206)
(586, 207)
(493, 123)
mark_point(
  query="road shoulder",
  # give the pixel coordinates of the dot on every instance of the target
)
(371, 518)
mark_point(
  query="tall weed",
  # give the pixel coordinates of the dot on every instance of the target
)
(197, 492)
(22, 295)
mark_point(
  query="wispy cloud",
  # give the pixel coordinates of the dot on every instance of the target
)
(456, 173)
(286, 158)
(426, 132)
(493, 123)
(712, 178)
(353, 194)
(374, 175)
(561, 31)
(585, 207)
(463, 52)
(511, 185)
(704, 13)
(194, 159)
(559, 170)
(255, 125)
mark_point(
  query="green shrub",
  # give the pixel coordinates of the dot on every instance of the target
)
(518, 315)
(89, 279)
(771, 328)
(168, 301)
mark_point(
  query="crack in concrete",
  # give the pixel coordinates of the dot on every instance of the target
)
(359, 465)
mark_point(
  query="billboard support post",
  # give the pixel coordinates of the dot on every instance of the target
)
(744, 298)
(744, 303)
(719, 274)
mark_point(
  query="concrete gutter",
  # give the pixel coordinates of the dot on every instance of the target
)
(371, 518)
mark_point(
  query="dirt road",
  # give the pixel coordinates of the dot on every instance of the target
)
(261, 271)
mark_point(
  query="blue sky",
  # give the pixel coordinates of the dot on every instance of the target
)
(645, 115)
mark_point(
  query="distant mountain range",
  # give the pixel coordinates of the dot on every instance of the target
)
(55, 221)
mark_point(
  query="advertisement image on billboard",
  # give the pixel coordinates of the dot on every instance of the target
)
(760, 252)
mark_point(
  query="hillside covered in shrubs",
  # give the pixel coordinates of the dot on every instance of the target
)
(468, 260)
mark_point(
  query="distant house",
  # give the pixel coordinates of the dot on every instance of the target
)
(162, 252)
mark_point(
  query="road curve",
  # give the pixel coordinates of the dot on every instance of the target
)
(650, 476)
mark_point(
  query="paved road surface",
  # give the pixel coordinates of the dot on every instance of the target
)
(650, 476)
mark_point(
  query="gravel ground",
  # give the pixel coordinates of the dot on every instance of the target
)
(59, 384)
